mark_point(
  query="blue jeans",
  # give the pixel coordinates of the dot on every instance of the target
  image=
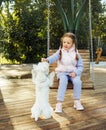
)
(63, 82)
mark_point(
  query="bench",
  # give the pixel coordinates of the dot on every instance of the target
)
(86, 80)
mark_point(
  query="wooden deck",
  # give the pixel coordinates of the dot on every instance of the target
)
(18, 95)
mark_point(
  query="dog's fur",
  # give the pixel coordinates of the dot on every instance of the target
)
(42, 80)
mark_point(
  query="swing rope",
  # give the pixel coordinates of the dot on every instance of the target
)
(48, 26)
(91, 43)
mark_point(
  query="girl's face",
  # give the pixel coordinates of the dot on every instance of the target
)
(67, 43)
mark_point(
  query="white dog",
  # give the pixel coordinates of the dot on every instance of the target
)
(42, 80)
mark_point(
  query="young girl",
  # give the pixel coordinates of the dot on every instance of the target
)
(69, 67)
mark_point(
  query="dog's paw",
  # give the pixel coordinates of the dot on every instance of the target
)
(52, 74)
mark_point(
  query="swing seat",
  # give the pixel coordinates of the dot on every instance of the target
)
(86, 80)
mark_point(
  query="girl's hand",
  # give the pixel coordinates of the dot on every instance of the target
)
(73, 74)
(44, 60)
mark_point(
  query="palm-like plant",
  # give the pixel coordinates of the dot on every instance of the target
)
(71, 19)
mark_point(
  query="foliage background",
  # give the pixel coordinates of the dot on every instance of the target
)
(23, 28)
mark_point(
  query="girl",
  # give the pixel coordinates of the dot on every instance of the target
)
(69, 67)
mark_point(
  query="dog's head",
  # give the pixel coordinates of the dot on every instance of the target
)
(40, 72)
(42, 67)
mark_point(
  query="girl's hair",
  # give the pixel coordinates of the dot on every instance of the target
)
(73, 37)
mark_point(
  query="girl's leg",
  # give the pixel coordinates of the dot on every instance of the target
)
(63, 81)
(77, 86)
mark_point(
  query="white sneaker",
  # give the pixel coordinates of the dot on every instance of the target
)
(78, 106)
(58, 108)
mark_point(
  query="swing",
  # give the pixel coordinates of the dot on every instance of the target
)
(87, 82)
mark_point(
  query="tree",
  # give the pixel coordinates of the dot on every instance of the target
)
(98, 22)
(25, 31)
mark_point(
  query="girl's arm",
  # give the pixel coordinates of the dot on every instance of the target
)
(53, 58)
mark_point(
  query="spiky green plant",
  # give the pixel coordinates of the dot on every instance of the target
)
(72, 18)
